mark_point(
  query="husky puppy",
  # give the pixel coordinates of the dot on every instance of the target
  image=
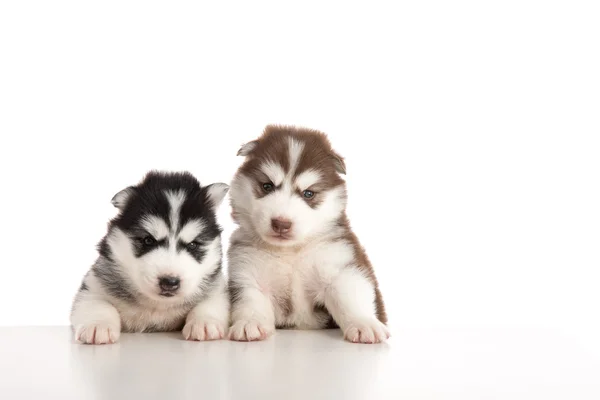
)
(294, 262)
(159, 265)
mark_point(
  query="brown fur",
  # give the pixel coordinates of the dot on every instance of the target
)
(364, 264)
(273, 146)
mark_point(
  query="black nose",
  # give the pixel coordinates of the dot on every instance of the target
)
(169, 283)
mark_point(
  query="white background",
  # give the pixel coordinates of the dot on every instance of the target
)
(470, 131)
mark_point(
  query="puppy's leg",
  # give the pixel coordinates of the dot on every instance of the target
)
(350, 298)
(95, 320)
(252, 314)
(210, 318)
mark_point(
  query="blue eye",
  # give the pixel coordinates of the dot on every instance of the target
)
(148, 241)
(267, 187)
(309, 194)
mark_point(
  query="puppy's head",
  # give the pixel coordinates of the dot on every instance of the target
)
(166, 237)
(289, 188)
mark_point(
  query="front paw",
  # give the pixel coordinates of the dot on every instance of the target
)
(204, 330)
(98, 333)
(248, 331)
(369, 330)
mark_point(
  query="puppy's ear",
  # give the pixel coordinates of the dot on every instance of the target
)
(216, 193)
(247, 148)
(338, 162)
(120, 199)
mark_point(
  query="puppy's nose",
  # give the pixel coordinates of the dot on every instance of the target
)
(280, 225)
(169, 283)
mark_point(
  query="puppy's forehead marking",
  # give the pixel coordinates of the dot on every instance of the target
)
(295, 151)
(191, 230)
(274, 171)
(307, 178)
(156, 226)
(176, 199)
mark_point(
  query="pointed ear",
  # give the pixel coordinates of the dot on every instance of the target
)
(247, 148)
(340, 165)
(120, 199)
(216, 193)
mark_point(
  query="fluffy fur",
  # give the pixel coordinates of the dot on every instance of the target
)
(159, 265)
(294, 262)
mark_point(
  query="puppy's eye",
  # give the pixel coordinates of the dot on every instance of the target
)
(148, 241)
(268, 187)
(193, 245)
(309, 194)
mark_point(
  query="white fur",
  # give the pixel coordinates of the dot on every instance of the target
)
(121, 248)
(216, 193)
(175, 199)
(319, 272)
(295, 151)
(209, 319)
(95, 320)
(247, 148)
(119, 200)
(307, 178)
(274, 172)
(254, 315)
(191, 230)
(304, 275)
(155, 226)
(350, 298)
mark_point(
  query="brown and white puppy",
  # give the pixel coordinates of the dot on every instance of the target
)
(294, 262)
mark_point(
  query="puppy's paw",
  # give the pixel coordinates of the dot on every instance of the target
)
(204, 330)
(100, 333)
(366, 331)
(248, 331)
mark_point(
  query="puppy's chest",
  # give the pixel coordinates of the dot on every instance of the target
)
(295, 285)
(147, 319)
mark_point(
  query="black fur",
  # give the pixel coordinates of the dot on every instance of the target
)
(148, 198)
(104, 249)
(210, 280)
(198, 253)
(140, 248)
(115, 283)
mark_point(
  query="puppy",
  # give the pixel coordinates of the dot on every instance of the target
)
(159, 265)
(294, 262)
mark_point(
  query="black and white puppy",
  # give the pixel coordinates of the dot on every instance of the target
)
(159, 265)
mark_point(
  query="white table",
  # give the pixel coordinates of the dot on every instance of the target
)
(467, 363)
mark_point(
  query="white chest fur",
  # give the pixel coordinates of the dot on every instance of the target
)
(294, 280)
(136, 318)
